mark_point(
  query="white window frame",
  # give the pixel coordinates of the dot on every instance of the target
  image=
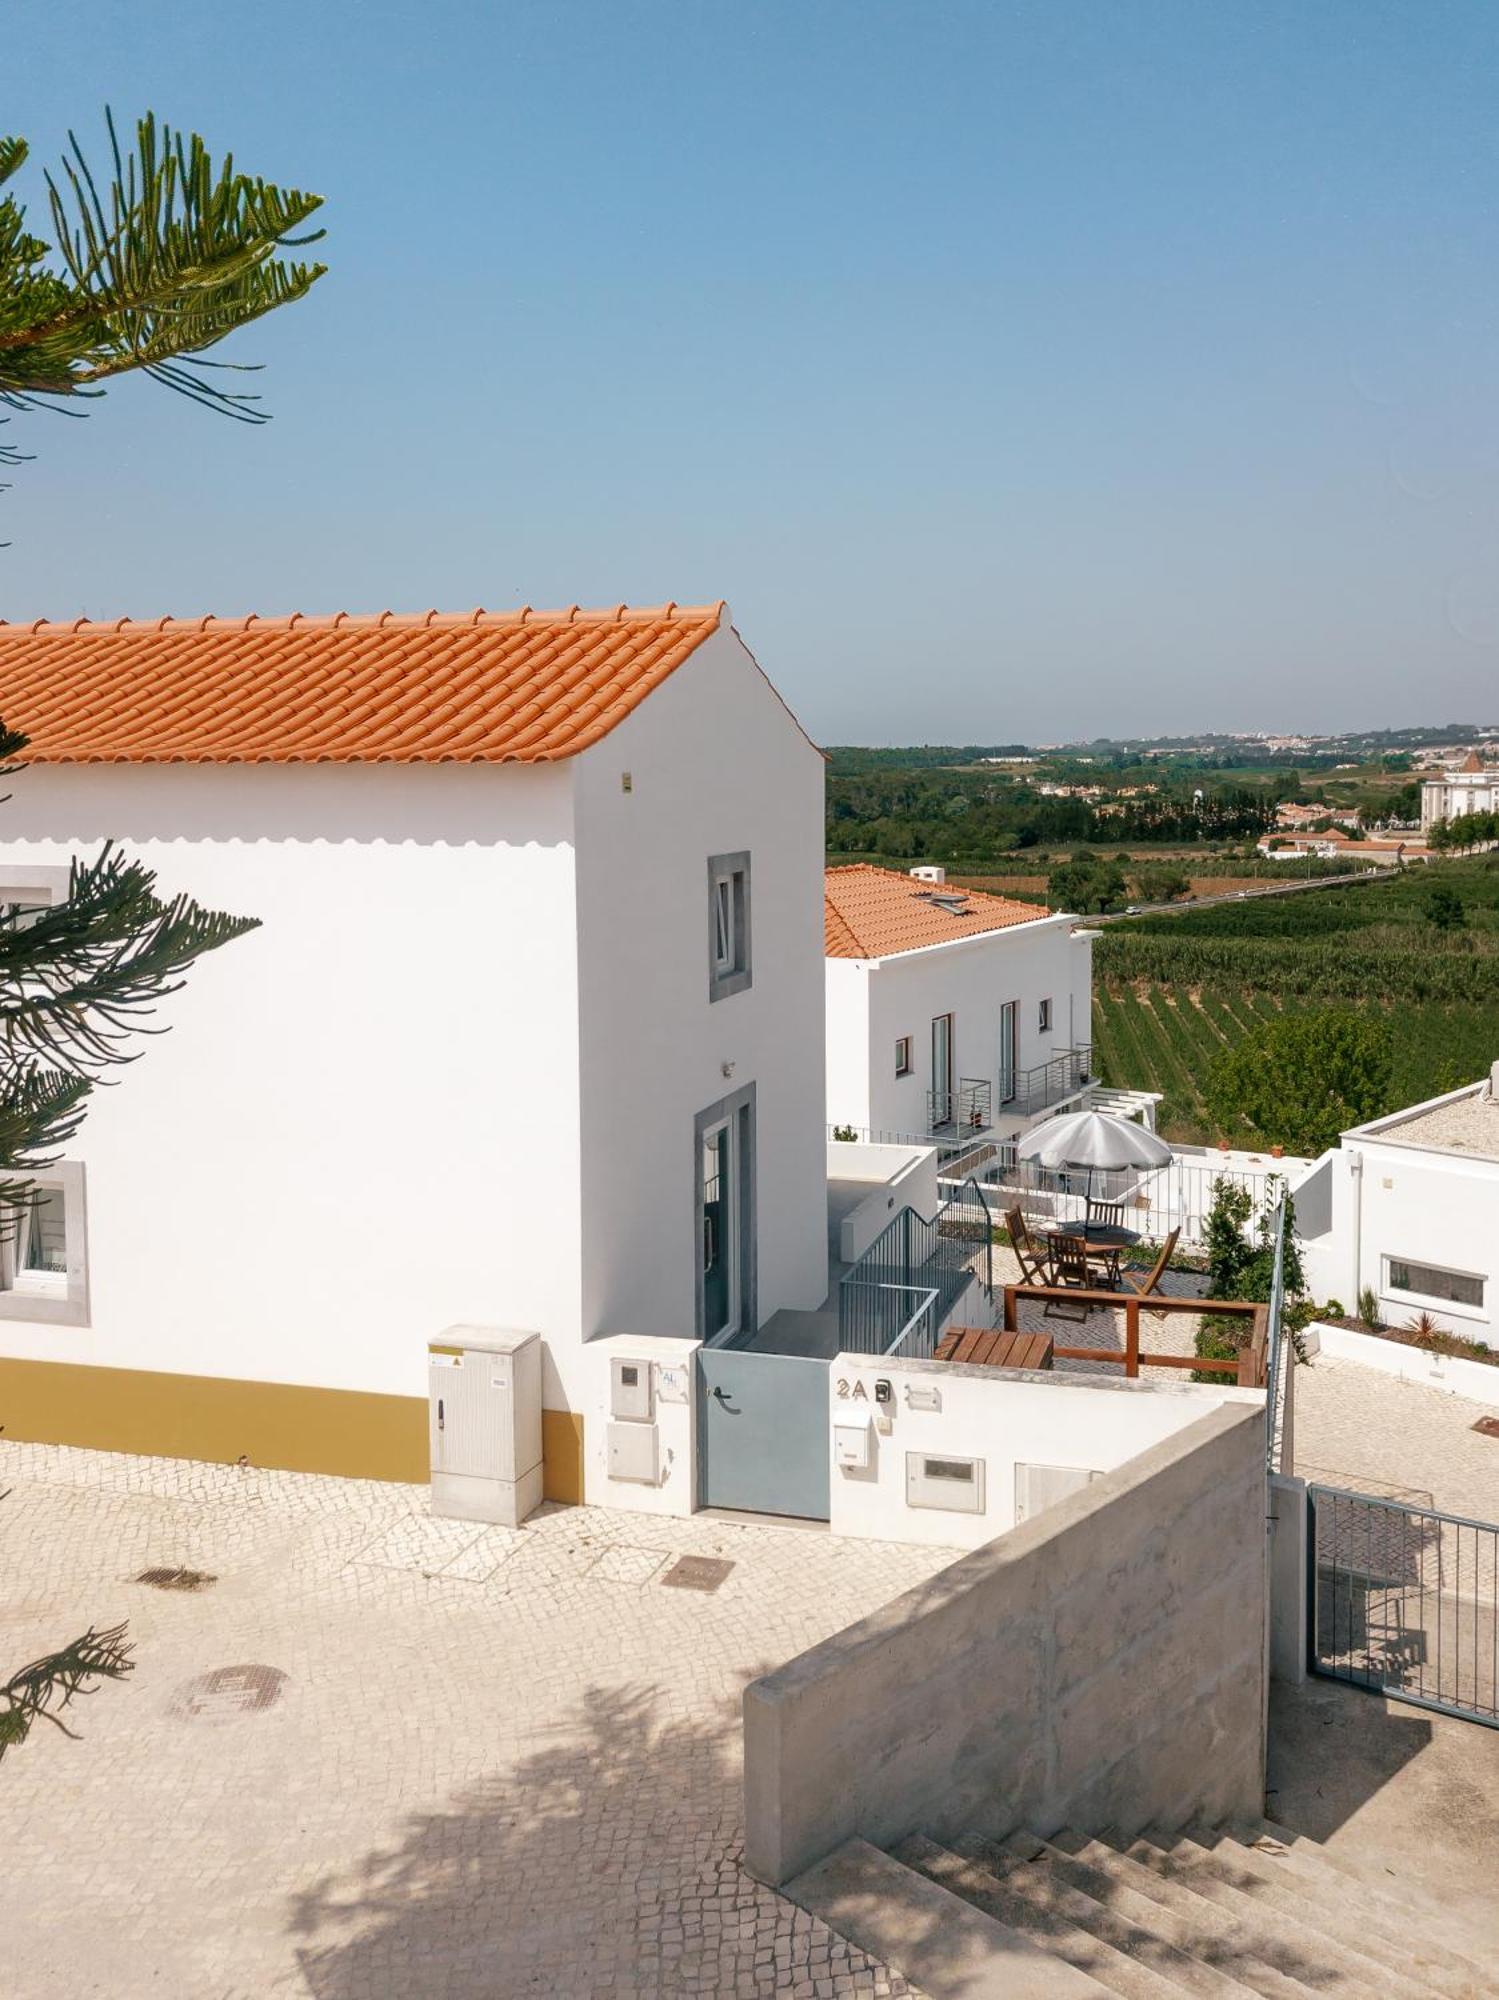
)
(729, 969)
(56, 1298)
(31, 888)
(1043, 1017)
(905, 1060)
(1430, 1301)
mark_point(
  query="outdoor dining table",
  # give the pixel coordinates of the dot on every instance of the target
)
(1104, 1241)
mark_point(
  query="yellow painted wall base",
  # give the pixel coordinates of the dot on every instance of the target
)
(349, 1433)
(562, 1456)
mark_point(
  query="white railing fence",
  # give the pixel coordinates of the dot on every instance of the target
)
(1177, 1196)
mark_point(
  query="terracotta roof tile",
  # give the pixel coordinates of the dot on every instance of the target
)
(872, 912)
(476, 687)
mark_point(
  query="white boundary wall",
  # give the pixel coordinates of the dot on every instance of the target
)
(1477, 1380)
(1005, 1418)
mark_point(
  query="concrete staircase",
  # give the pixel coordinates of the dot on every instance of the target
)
(1226, 1913)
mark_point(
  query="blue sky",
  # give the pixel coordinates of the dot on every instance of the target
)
(1014, 370)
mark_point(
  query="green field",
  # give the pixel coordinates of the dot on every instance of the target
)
(1170, 992)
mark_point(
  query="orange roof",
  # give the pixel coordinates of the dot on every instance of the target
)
(479, 687)
(1472, 762)
(871, 912)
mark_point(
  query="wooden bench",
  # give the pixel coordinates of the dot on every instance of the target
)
(992, 1347)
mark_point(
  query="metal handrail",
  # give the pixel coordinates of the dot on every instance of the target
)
(908, 1251)
(929, 1296)
(1275, 1341)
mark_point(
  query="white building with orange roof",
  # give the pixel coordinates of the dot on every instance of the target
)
(1472, 787)
(528, 1036)
(953, 1015)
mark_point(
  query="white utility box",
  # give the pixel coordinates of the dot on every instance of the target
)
(484, 1422)
(955, 1485)
(633, 1451)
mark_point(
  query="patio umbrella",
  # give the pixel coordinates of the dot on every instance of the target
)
(1095, 1140)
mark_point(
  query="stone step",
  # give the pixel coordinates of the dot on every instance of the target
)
(939, 1941)
(1405, 1902)
(1121, 1964)
(1361, 1968)
(1187, 1922)
(1341, 1907)
(1026, 1865)
(1254, 1949)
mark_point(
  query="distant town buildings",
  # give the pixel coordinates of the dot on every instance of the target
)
(1472, 787)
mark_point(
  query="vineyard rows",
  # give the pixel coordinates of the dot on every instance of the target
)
(1158, 1038)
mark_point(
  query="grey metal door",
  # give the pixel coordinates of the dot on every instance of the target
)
(763, 1436)
(1404, 1601)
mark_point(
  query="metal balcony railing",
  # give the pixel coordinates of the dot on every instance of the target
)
(969, 1108)
(1047, 1083)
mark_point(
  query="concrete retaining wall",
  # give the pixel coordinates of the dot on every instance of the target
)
(1101, 1665)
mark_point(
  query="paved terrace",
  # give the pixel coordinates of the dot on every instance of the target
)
(444, 1760)
(1354, 1427)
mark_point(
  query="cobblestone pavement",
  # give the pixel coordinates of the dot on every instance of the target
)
(499, 1762)
(1356, 1427)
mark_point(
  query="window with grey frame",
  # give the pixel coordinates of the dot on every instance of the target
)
(729, 968)
(44, 1250)
(1435, 1282)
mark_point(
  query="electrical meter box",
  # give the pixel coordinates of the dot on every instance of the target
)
(955, 1485)
(630, 1390)
(634, 1452)
(484, 1423)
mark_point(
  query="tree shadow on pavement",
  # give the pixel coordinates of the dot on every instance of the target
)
(607, 1861)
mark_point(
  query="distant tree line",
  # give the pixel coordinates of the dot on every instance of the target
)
(1466, 831)
(965, 818)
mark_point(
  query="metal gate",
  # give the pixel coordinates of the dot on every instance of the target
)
(1404, 1601)
(763, 1432)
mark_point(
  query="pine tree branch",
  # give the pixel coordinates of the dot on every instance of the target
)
(160, 262)
(55, 1681)
(77, 977)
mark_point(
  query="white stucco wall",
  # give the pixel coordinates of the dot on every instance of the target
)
(1000, 1416)
(363, 1125)
(1368, 1202)
(848, 1056)
(969, 979)
(717, 765)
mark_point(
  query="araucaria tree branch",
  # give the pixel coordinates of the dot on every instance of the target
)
(147, 269)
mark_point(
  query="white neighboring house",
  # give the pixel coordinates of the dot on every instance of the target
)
(528, 1035)
(1472, 787)
(953, 1016)
(1408, 1206)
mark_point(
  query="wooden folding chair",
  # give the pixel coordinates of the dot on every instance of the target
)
(1150, 1285)
(1069, 1268)
(1032, 1265)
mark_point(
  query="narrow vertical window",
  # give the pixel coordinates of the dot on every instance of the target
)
(728, 925)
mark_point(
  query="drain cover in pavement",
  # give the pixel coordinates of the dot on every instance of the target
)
(176, 1579)
(228, 1692)
(697, 1572)
(1489, 1426)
